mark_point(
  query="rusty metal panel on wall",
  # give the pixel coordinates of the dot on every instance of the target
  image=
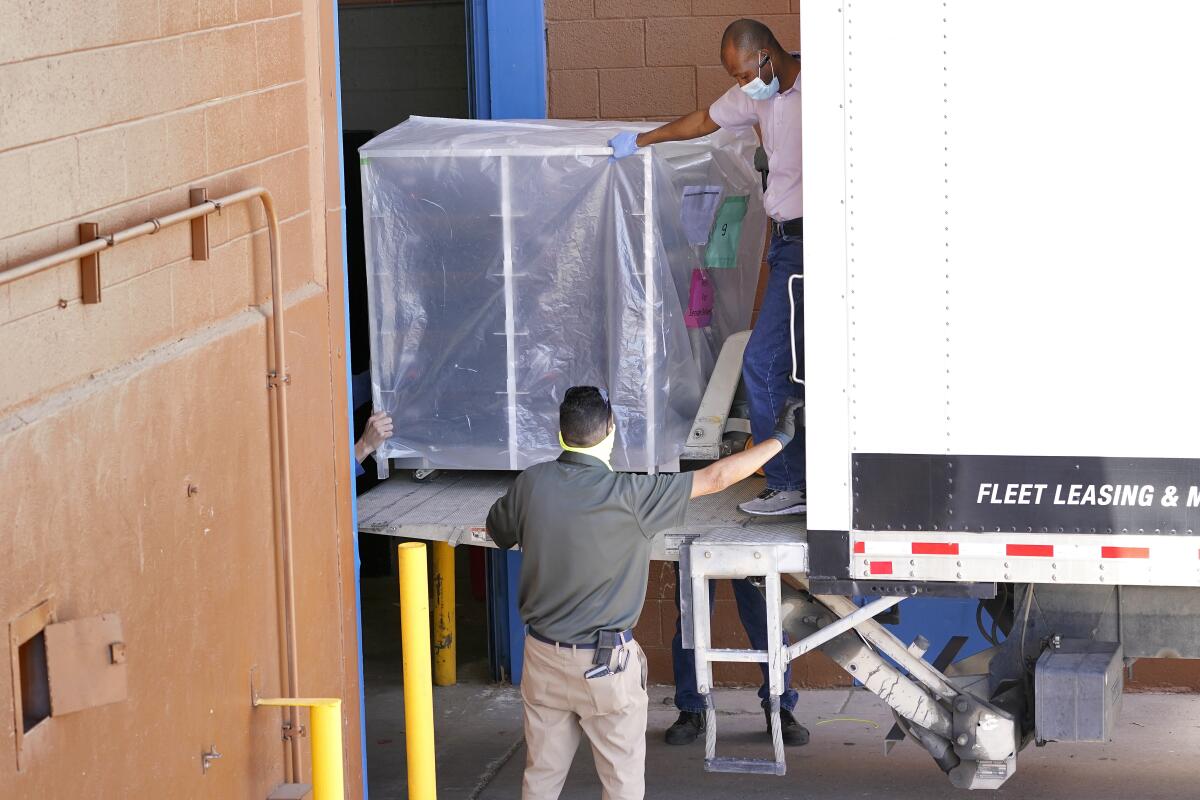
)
(86, 662)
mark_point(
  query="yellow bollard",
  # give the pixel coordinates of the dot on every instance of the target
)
(326, 720)
(418, 683)
(325, 723)
(445, 649)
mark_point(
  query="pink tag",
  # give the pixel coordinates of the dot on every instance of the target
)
(701, 296)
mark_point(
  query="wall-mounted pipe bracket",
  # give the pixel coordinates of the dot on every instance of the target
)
(290, 733)
(199, 225)
(89, 266)
(208, 757)
(328, 781)
(274, 381)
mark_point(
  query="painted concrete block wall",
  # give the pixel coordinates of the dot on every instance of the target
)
(109, 412)
(646, 59)
(400, 57)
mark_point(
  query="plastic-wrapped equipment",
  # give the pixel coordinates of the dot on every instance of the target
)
(508, 261)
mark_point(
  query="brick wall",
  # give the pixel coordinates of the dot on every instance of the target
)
(657, 60)
(151, 105)
(646, 59)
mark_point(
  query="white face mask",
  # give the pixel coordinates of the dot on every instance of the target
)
(601, 450)
(756, 89)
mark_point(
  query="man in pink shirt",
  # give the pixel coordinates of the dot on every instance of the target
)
(767, 95)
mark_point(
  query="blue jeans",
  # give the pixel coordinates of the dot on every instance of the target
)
(767, 364)
(752, 608)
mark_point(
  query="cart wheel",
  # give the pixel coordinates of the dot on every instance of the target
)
(422, 475)
(734, 442)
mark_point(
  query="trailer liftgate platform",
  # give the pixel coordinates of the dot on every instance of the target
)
(453, 508)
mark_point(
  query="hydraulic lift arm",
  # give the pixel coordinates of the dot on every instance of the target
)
(970, 739)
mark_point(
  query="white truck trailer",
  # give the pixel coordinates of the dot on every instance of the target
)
(1001, 273)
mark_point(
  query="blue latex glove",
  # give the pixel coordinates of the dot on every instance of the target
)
(623, 144)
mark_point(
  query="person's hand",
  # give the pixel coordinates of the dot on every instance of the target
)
(785, 424)
(377, 431)
(623, 144)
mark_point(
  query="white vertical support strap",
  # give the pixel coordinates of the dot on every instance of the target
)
(701, 636)
(510, 302)
(797, 378)
(776, 660)
(701, 641)
(382, 465)
(649, 245)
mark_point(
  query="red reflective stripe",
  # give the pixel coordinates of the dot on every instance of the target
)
(1124, 552)
(935, 548)
(860, 547)
(1034, 550)
(881, 568)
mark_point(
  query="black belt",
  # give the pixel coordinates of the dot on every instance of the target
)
(625, 635)
(793, 227)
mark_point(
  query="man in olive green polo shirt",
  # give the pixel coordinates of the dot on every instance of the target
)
(586, 532)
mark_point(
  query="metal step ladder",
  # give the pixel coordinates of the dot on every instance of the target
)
(738, 553)
(970, 738)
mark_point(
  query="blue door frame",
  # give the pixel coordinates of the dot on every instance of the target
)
(506, 46)
(507, 73)
(507, 80)
(362, 686)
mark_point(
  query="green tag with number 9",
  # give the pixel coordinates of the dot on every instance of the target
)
(726, 233)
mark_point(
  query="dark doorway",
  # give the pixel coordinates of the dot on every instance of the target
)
(398, 59)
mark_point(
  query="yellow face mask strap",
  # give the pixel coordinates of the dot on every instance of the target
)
(601, 450)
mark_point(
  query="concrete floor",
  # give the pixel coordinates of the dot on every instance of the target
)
(475, 723)
(481, 754)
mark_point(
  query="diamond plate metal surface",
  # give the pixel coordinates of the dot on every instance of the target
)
(452, 504)
(459, 500)
(789, 530)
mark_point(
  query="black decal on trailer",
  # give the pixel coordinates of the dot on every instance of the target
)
(829, 554)
(1026, 494)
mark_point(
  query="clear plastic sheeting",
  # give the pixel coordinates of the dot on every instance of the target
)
(508, 261)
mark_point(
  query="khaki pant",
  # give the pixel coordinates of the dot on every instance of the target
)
(560, 704)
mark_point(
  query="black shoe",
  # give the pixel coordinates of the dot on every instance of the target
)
(794, 734)
(686, 728)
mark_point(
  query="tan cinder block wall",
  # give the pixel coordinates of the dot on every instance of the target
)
(108, 412)
(646, 59)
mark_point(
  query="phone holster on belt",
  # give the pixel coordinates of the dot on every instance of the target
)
(608, 642)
